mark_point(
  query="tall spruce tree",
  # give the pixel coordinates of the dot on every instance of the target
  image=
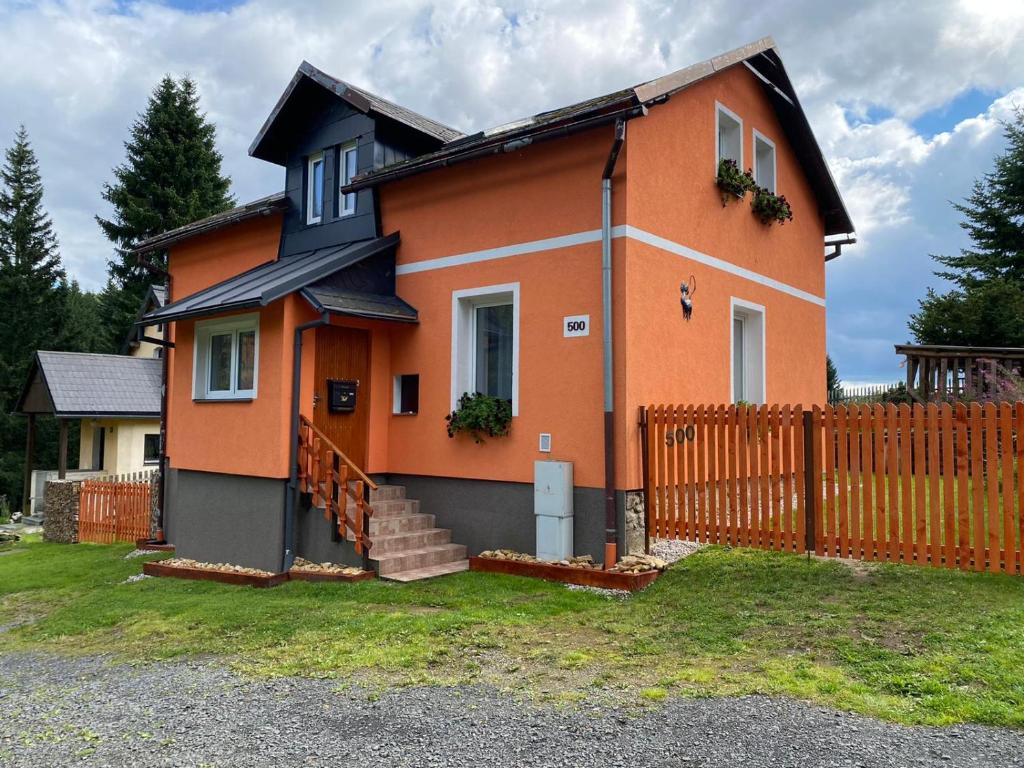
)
(985, 307)
(171, 177)
(32, 292)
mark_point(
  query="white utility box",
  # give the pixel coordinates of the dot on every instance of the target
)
(552, 506)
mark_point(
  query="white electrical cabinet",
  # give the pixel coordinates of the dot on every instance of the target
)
(552, 506)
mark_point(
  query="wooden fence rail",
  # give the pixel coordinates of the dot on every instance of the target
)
(112, 510)
(936, 484)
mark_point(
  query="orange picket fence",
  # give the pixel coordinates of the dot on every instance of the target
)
(112, 510)
(936, 484)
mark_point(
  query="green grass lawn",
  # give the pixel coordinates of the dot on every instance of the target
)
(911, 644)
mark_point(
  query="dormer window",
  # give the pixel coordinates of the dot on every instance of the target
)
(729, 136)
(347, 161)
(764, 162)
(315, 189)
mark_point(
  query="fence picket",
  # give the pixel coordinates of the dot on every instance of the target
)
(991, 481)
(962, 483)
(892, 474)
(975, 431)
(1009, 558)
(949, 512)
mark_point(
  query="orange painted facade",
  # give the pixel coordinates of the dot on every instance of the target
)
(663, 186)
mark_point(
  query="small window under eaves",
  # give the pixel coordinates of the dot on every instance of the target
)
(729, 137)
(764, 162)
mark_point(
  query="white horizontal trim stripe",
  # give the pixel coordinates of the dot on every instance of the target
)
(519, 249)
(594, 236)
(725, 266)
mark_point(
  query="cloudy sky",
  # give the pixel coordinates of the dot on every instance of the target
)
(905, 98)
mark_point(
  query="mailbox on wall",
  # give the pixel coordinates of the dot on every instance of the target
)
(341, 395)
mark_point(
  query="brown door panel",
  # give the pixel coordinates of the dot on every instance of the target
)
(343, 354)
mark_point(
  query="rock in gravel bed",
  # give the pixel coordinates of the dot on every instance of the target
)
(672, 550)
(87, 711)
(184, 562)
(308, 566)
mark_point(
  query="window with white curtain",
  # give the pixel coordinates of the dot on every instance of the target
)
(315, 189)
(747, 363)
(226, 358)
(347, 163)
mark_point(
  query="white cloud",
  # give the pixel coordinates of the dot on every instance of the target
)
(77, 72)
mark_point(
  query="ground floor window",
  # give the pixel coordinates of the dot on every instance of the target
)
(151, 449)
(747, 360)
(485, 343)
(226, 358)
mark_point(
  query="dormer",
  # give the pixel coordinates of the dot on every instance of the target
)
(324, 131)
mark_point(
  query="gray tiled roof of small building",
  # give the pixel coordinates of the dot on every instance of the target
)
(84, 383)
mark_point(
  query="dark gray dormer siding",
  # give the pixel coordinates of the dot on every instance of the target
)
(313, 118)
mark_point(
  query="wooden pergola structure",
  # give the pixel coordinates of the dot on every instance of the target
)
(938, 373)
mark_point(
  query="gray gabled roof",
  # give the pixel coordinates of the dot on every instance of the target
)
(760, 57)
(84, 384)
(359, 99)
(262, 207)
(268, 282)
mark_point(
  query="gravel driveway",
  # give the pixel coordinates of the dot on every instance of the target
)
(58, 711)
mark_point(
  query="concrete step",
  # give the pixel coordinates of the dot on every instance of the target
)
(403, 542)
(392, 507)
(412, 559)
(387, 493)
(389, 526)
(429, 572)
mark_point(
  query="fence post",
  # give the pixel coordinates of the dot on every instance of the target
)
(812, 484)
(646, 475)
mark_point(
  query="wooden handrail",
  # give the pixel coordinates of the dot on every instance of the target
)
(331, 446)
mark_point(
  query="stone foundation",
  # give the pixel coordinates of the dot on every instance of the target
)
(61, 522)
(636, 522)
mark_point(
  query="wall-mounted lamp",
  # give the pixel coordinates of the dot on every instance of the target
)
(686, 292)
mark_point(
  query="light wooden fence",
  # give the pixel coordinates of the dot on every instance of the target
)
(115, 508)
(936, 484)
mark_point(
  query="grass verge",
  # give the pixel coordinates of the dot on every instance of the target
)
(908, 644)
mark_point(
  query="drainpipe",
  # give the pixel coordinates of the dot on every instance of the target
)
(162, 465)
(610, 511)
(291, 499)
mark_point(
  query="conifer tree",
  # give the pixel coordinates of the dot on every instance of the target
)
(985, 307)
(32, 292)
(171, 176)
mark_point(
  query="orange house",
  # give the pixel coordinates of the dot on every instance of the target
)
(574, 265)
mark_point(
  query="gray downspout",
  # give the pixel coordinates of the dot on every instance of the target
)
(611, 513)
(291, 499)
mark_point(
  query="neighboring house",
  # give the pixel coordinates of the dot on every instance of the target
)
(406, 264)
(115, 399)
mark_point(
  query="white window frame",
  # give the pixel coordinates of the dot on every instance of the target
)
(206, 329)
(755, 367)
(721, 109)
(310, 218)
(758, 136)
(396, 396)
(343, 209)
(464, 304)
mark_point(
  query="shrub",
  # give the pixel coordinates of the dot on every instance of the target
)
(771, 207)
(731, 180)
(480, 415)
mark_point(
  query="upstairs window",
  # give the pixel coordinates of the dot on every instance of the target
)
(226, 358)
(764, 162)
(315, 189)
(729, 136)
(347, 161)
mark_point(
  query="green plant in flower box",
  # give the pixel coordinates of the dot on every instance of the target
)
(480, 415)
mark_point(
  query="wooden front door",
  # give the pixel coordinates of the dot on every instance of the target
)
(343, 357)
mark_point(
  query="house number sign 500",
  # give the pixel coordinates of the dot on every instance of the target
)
(575, 325)
(679, 436)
